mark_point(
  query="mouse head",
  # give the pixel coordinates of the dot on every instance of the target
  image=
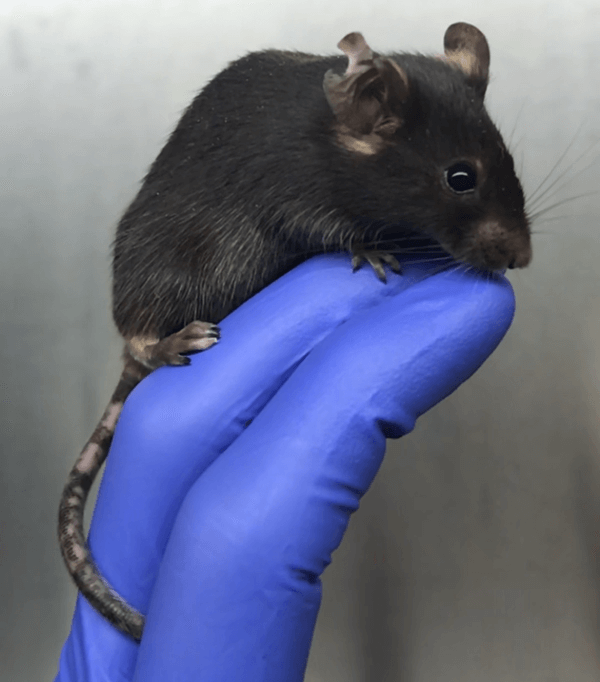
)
(416, 133)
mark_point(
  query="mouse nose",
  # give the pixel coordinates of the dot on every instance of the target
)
(501, 243)
(522, 257)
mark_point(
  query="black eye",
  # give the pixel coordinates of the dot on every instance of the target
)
(461, 177)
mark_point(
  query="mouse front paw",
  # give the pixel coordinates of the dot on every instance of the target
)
(375, 259)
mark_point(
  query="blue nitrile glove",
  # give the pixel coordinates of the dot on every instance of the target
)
(219, 531)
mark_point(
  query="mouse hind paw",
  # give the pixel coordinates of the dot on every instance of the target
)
(173, 349)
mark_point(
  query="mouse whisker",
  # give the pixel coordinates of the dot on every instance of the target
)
(535, 216)
(539, 199)
(449, 266)
(514, 128)
(550, 219)
(446, 261)
(534, 194)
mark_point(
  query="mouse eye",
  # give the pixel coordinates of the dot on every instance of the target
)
(461, 177)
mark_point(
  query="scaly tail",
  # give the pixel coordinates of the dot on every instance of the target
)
(150, 353)
(71, 535)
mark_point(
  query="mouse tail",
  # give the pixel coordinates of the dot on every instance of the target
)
(142, 355)
(71, 533)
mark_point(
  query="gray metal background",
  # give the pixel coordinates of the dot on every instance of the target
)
(475, 554)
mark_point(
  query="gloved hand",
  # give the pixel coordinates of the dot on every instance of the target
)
(217, 528)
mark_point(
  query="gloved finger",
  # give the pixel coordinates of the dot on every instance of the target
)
(238, 588)
(179, 420)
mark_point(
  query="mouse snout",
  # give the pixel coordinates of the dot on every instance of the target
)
(498, 245)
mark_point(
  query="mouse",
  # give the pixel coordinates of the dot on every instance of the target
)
(280, 156)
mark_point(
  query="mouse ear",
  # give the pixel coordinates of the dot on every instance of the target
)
(467, 48)
(367, 99)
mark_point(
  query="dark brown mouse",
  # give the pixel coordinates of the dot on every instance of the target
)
(283, 155)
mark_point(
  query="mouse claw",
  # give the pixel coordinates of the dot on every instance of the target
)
(375, 259)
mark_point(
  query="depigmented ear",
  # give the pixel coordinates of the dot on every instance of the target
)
(466, 48)
(358, 52)
(367, 99)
